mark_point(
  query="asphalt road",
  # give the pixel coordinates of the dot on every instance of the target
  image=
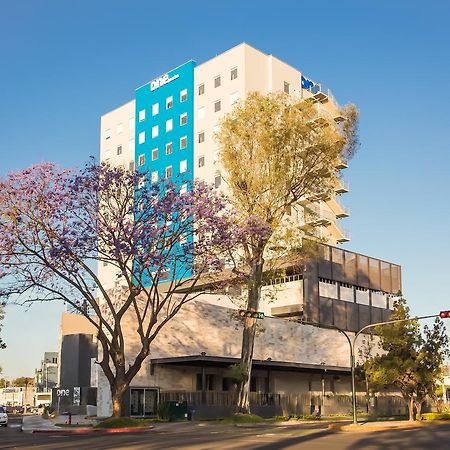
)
(220, 437)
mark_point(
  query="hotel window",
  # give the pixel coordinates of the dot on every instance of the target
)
(131, 144)
(168, 171)
(217, 106)
(183, 166)
(217, 81)
(234, 73)
(141, 182)
(120, 128)
(201, 161)
(201, 112)
(141, 115)
(169, 102)
(169, 125)
(107, 154)
(201, 137)
(234, 97)
(183, 189)
(154, 154)
(155, 131)
(141, 137)
(155, 176)
(108, 133)
(201, 89)
(183, 119)
(169, 148)
(131, 166)
(131, 123)
(183, 95)
(217, 180)
(155, 109)
(287, 87)
(119, 150)
(141, 160)
(183, 142)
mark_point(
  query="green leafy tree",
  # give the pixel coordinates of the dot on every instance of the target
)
(412, 361)
(277, 150)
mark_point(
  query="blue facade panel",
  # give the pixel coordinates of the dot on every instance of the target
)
(159, 92)
(164, 130)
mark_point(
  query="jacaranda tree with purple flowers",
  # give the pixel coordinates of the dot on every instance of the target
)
(57, 225)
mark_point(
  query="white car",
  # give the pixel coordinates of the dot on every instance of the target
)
(3, 417)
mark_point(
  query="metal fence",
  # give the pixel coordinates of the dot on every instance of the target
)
(291, 404)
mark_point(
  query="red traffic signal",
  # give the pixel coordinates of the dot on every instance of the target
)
(444, 314)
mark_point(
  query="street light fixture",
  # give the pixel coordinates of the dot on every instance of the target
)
(442, 315)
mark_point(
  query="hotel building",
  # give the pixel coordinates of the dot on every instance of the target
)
(168, 129)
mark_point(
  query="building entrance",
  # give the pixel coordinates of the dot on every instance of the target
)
(143, 402)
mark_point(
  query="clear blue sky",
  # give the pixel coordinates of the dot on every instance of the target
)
(64, 63)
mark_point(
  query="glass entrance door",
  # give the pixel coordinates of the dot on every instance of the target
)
(143, 402)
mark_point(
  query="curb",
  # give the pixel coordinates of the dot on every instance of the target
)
(364, 428)
(90, 430)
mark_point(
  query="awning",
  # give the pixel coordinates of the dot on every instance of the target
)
(221, 361)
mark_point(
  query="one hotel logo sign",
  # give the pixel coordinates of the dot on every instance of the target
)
(161, 81)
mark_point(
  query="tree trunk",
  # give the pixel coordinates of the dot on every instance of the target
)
(117, 393)
(248, 336)
(419, 405)
(411, 408)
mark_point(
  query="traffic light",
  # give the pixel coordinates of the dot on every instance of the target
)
(444, 314)
(254, 314)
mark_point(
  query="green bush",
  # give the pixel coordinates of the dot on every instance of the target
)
(434, 416)
(281, 418)
(308, 417)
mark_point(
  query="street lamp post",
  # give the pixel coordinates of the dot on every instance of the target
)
(351, 344)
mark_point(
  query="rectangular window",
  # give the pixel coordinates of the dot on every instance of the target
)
(108, 133)
(287, 87)
(120, 128)
(217, 106)
(183, 95)
(154, 154)
(201, 112)
(155, 131)
(183, 189)
(183, 119)
(169, 148)
(155, 109)
(168, 171)
(234, 73)
(155, 176)
(217, 81)
(131, 123)
(183, 142)
(217, 180)
(201, 137)
(141, 115)
(131, 144)
(234, 97)
(131, 166)
(201, 89)
(169, 125)
(141, 137)
(201, 161)
(141, 160)
(119, 150)
(169, 102)
(183, 166)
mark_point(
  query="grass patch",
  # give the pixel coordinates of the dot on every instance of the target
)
(243, 418)
(126, 422)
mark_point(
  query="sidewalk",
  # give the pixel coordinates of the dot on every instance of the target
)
(382, 425)
(31, 423)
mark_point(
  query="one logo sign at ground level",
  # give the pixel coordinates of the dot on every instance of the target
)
(63, 392)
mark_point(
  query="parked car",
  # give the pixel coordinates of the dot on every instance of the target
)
(3, 417)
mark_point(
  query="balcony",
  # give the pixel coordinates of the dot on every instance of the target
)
(341, 188)
(316, 217)
(338, 209)
(341, 165)
(319, 91)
